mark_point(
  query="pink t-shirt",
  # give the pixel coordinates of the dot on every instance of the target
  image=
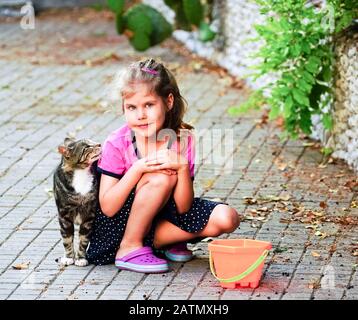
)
(119, 152)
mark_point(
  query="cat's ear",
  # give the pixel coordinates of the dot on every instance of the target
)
(63, 150)
(68, 140)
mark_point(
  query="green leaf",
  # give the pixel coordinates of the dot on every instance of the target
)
(162, 29)
(326, 151)
(313, 64)
(255, 101)
(300, 97)
(205, 33)
(295, 50)
(327, 73)
(119, 23)
(345, 21)
(193, 11)
(327, 121)
(289, 78)
(308, 77)
(116, 6)
(234, 111)
(140, 41)
(288, 107)
(274, 112)
(304, 86)
(305, 46)
(305, 121)
(285, 25)
(137, 20)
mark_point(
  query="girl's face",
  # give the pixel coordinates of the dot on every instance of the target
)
(145, 111)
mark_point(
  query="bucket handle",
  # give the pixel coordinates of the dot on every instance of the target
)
(243, 274)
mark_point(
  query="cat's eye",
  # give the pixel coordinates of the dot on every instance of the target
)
(83, 154)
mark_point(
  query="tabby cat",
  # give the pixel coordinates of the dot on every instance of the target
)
(76, 195)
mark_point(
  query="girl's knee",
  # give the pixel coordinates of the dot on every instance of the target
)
(227, 219)
(161, 180)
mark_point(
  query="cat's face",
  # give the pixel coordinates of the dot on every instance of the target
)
(79, 154)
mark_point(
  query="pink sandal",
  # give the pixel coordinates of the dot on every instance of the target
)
(142, 260)
(179, 253)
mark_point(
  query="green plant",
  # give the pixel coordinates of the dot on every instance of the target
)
(146, 27)
(298, 41)
(191, 14)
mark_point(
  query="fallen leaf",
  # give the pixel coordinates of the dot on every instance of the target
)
(21, 266)
(209, 183)
(311, 227)
(49, 191)
(339, 176)
(317, 213)
(280, 164)
(352, 184)
(250, 200)
(323, 205)
(308, 144)
(260, 218)
(333, 248)
(314, 284)
(320, 234)
(315, 254)
(279, 250)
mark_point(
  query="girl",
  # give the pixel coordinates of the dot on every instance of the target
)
(146, 187)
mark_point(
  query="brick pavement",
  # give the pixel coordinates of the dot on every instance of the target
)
(51, 85)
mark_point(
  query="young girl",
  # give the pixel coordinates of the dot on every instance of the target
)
(146, 187)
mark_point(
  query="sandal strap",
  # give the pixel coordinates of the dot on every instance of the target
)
(136, 253)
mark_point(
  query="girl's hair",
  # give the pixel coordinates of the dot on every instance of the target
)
(159, 80)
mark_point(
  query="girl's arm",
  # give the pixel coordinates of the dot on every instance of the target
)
(183, 191)
(113, 192)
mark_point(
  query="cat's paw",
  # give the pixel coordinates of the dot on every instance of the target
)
(67, 261)
(81, 262)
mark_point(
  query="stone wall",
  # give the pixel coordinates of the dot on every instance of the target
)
(345, 111)
(231, 49)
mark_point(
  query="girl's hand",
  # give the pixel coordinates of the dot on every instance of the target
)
(168, 172)
(166, 159)
(142, 166)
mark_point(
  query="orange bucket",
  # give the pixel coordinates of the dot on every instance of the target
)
(238, 262)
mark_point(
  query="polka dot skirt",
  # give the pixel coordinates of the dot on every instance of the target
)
(107, 233)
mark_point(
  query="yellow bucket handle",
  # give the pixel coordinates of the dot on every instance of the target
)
(243, 274)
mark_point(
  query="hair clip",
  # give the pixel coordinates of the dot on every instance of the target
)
(151, 71)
